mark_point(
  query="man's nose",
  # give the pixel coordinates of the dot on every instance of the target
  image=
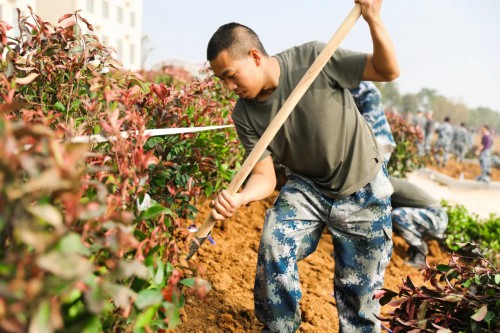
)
(231, 85)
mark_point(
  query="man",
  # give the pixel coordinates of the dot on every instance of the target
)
(419, 122)
(443, 143)
(337, 178)
(485, 154)
(368, 100)
(429, 131)
(417, 217)
(460, 141)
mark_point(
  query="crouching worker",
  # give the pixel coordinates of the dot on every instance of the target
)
(417, 217)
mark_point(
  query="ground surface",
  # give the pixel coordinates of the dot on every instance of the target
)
(230, 266)
(469, 170)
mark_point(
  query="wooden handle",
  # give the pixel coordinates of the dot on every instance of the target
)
(285, 111)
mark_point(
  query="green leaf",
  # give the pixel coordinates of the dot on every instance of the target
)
(443, 268)
(159, 278)
(148, 297)
(188, 282)
(155, 211)
(422, 310)
(72, 243)
(49, 214)
(75, 104)
(41, 320)
(452, 298)
(59, 107)
(145, 317)
(480, 314)
(497, 278)
(93, 325)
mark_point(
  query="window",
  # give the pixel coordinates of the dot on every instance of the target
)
(132, 54)
(105, 8)
(90, 5)
(119, 49)
(15, 27)
(132, 19)
(120, 15)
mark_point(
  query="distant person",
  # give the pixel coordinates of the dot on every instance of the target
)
(419, 122)
(429, 130)
(368, 99)
(443, 143)
(417, 217)
(460, 141)
(337, 178)
(485, 154)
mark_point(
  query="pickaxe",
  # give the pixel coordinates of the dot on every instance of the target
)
(252, 159)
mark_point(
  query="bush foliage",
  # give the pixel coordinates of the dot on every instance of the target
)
(463, 296)
(405, 157)
(92, 235)
(464, 227)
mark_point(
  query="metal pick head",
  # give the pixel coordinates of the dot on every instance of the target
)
(195, 245)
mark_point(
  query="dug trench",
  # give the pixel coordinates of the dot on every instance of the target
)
(229, 266)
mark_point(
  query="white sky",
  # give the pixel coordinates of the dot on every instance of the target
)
(452, 46)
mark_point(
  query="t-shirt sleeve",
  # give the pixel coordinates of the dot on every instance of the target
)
(345, 66)
(247, 135)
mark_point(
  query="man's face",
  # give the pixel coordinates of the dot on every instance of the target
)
(240, 75)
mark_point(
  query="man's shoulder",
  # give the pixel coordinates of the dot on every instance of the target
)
(306, 47)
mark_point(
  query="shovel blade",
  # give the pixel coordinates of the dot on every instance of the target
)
(195, 245)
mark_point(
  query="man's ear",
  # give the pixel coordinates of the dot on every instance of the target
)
(255, 55)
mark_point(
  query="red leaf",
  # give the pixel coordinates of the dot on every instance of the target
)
(62, 18)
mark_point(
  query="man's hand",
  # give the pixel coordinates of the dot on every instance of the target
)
(225, 205)
(370, 9)
(260, 185)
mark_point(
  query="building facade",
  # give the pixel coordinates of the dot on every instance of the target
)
(117, 23)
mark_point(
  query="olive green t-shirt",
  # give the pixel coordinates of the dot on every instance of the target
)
(325, 139)
(407, 194)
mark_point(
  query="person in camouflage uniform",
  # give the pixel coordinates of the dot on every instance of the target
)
(417, 217)
(460, 142)
(368, 100)
(443, 143)
(337, 178)
(429, 131)
(485, 154)
(419, 122)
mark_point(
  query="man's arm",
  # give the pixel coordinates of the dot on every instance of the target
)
(260, 185)
(382, 64)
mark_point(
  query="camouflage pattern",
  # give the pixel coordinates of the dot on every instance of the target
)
(443, 143)
(485, 164)
(369, 102)
(415, 224)
(460, 142)
(419, 121)
(429, 134)
(361, 230)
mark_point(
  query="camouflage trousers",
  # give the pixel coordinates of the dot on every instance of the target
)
(444, 149)
(460, 149)
(485, 164)
(415, 224)
(361, 231)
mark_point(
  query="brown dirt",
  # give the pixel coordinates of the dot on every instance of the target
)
(469, 170)
(230, 267)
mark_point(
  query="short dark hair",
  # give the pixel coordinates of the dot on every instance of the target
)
(237, 38)
(447, 119)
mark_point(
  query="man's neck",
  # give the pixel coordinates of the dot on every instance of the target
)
(272, 79)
